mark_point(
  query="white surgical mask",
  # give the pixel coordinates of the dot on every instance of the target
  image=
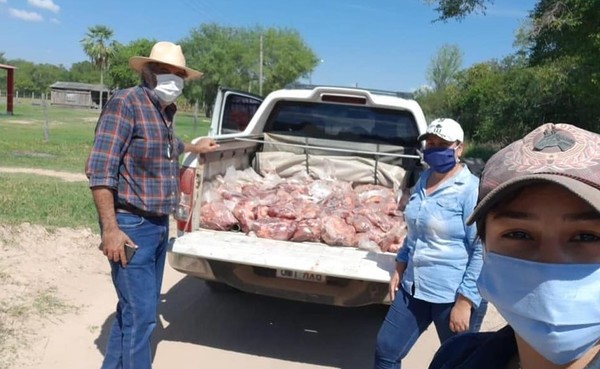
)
(168, 87)
(555, 308)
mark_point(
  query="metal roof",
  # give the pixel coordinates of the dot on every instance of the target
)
(78, 86)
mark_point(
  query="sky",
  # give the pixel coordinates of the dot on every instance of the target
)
(380, 44)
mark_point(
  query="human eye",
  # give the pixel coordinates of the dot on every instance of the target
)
(517, 235)
(586, 237)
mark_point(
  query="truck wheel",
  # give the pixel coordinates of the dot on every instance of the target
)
(218, 287)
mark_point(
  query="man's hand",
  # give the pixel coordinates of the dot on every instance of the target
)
(203, 146)
(460, 315)
(113, 239)
(113, 245)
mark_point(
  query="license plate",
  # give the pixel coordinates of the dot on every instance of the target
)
(302, 276)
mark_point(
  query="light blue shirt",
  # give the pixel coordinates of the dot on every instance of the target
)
(443, 255)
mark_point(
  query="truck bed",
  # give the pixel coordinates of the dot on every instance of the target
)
(342, 262)
(346, 134)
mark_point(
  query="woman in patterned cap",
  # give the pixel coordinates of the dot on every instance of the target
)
(440, 259)
(539, 218)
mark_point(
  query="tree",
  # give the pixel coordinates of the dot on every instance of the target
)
(220, 53)
(444, 66)
(99, 47)
(554, 76)
(83, 72)
(230, 57)
(436, 104)
(286, 57)
(565, 27)
(441, 74)
(565, 34)
(120, 72)
(458, 8)
(500, 101)
(36, 78)
(44, 75)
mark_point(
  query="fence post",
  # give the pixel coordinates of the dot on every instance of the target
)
(195, 117)
(46, 134)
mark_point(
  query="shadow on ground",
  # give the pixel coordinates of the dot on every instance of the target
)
(257, 325)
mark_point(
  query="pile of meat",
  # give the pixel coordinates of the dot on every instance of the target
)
(303, 209)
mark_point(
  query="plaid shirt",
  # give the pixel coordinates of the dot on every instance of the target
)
(131, 152)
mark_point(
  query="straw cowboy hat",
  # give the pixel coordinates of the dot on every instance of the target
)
(166, 53)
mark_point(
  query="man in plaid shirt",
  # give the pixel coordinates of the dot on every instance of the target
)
(133, 174)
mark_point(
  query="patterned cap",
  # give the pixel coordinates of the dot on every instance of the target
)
(559, 153)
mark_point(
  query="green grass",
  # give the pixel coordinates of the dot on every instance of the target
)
(45, 200)
(42, 304)
(47, 303)
(70, 133)
(185, 128)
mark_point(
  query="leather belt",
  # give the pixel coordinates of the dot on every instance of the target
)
(122, 208)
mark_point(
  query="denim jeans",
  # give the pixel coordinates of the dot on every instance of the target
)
(407, 319)
(138, 291)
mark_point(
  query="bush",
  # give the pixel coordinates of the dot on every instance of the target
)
(482, 151)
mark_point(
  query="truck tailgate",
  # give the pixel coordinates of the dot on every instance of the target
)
(238, 248)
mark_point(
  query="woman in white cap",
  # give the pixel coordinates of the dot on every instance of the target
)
(133, 174)
(440, 260)
(539, 218)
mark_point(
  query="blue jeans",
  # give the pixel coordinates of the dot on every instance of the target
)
(138, 291)
(407, 319)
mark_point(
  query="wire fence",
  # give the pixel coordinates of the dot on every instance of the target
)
(33, 99)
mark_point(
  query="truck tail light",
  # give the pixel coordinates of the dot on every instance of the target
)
(183, 213)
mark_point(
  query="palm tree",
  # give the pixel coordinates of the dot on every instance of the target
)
(100, 47)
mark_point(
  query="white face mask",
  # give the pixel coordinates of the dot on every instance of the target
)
(168, 87)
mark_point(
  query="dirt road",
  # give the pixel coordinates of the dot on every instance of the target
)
(58, 303)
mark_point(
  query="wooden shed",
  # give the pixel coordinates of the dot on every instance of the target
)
(77, 94)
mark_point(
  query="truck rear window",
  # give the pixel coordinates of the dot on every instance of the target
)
(343, 122)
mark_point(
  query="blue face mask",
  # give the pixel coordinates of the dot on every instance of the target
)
(441, 160)
(555, 308)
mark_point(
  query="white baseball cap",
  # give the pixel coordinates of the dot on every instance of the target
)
(446, 129)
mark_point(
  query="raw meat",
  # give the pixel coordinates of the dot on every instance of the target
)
(304, 210)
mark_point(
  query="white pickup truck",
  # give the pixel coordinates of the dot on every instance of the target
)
(367, 136)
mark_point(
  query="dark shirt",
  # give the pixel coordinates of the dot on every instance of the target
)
(485, 350)
(490, 350)
(130, 153)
